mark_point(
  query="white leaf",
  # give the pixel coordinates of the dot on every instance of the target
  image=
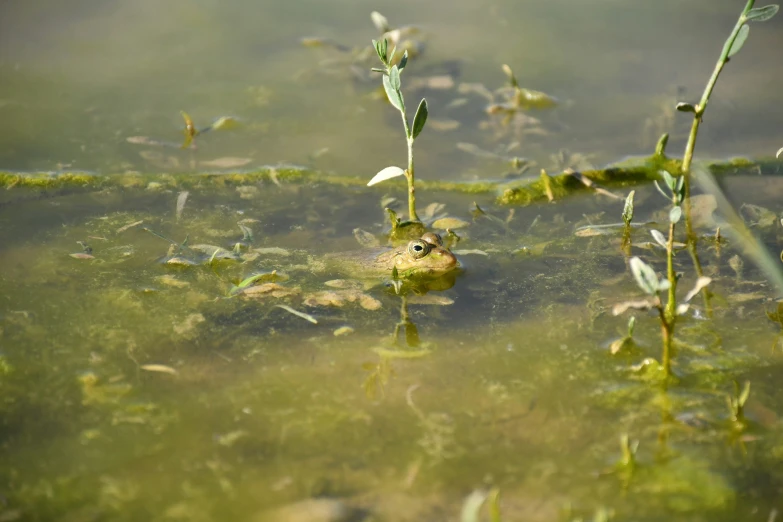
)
(297, 313)
(161, 368)
(379, 21)
(387, 173)
(700, 284)
(645, 276)
(780, 151)
(659, 238)
(682, 308)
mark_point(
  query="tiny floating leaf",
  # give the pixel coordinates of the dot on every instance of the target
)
(762, 14)
(387, 173)
(224, 123)
(297, 313)
(739, 41)
(701, 283)
(181, 200)
(420, 118)
(160, 368)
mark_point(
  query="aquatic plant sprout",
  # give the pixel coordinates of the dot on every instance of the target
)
(392, 85)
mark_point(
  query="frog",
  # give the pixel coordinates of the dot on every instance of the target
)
(422, 258)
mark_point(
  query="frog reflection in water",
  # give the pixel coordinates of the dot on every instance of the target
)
(423, 258)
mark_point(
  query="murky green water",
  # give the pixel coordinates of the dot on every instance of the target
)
(136, 389)
(250, 408)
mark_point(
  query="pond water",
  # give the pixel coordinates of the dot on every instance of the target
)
(140, 380)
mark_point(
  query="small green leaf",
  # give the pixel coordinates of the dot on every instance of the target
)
(669, 180)
(376, 69)
(762, 14)
(395, 96)
(644, 275)
(659, 238)
(381, 47)
(420, 118)
(680, 186)
(403, 61)
(631, 325)
(739, 41)
(511, 78)
(394, 77)
(675, 214)
(628, 208)
(685, 107)
(663, 193)
(387, 173)
(743, 397)
(392, 53)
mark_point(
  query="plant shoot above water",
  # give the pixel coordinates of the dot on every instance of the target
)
(392, 85)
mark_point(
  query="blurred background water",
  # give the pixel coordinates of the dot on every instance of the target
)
(78, 78)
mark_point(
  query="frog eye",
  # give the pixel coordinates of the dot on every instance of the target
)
(433, 239)
(418, 248)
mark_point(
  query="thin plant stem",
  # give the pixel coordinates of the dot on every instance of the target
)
(705, 97)
(409, 176)
(669, 314)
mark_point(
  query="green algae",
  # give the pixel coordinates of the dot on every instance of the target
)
(625, 173)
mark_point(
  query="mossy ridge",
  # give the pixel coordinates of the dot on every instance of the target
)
(625, 173)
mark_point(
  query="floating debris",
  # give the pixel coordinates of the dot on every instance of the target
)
(129, 226)
(159, 368)
(182, 198)
(169, 280)
(228, 162)
(339, 298)
(365, 239)
(450, 223)
(268, 290)
(272, 251)
(306, 317)
(343, 330)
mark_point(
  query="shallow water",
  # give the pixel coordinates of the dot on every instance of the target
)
(253, 409)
